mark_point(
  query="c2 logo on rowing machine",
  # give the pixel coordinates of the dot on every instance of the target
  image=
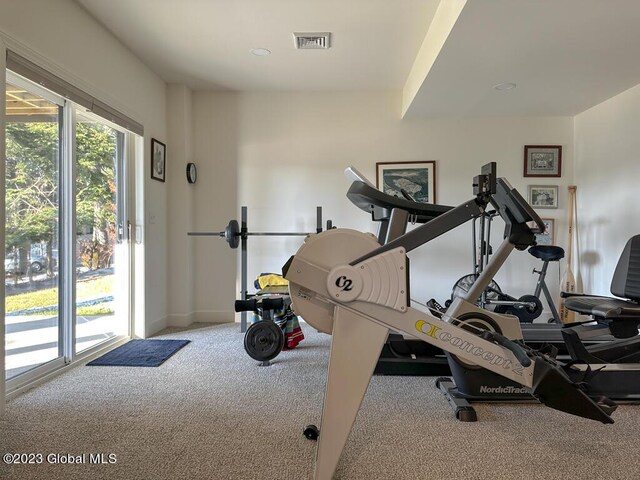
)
(344, 283)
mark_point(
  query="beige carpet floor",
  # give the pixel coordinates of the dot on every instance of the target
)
(210, 413)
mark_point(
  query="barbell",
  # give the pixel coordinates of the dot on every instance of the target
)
(236, 234)
(232, 233)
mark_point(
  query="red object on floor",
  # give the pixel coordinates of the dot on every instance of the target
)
(293, 338)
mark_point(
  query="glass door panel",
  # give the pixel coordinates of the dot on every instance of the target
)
(32, 320)
(102, 258)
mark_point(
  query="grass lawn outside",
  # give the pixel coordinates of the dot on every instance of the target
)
(87, 289)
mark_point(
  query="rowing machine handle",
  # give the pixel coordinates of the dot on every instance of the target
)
(519, 353)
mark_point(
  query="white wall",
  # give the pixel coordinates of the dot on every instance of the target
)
(180, 206)
(215, 152)
(63, 38)
(291, 149)
(607, 171)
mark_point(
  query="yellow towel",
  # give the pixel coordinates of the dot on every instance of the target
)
(271, 280)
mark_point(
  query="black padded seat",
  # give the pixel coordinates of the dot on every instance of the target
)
(549, 253)
(622, 314)
(603, 307)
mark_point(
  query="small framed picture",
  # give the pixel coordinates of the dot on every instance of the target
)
(548, 236)
(158, 160)
(417, 179)
(543, 196)
(542, 160)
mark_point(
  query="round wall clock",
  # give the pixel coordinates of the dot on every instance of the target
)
(192, 173)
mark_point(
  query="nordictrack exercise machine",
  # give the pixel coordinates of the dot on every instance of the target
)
(345, 283)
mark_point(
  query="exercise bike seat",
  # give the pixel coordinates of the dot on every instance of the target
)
(623, 312)
(547, 253)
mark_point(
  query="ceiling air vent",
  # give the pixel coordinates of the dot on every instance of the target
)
(312, 41)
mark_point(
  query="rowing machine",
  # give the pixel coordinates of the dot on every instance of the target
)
(344, 283)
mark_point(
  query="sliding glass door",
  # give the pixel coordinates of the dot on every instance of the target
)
(33, 148)
(67, 245)
(102, 272)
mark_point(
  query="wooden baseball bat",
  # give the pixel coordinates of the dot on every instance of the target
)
(569, 281)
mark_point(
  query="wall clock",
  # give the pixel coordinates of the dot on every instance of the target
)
(192, 173)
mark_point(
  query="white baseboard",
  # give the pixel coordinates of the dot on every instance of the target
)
(180, 320)
(186, 319)
(155, 327)
(212, 316)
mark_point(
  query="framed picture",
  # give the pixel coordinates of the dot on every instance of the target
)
(542, 160)
(158, 160)
(548, 236)
(417, 179)
(543, 196)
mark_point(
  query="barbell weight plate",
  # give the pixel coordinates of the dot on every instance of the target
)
(232, 234)
(264, 340)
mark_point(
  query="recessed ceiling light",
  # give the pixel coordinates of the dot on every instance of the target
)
(260, 52)
(505, 86)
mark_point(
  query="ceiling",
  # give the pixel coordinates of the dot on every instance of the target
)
(564, 55)
(206, 43)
